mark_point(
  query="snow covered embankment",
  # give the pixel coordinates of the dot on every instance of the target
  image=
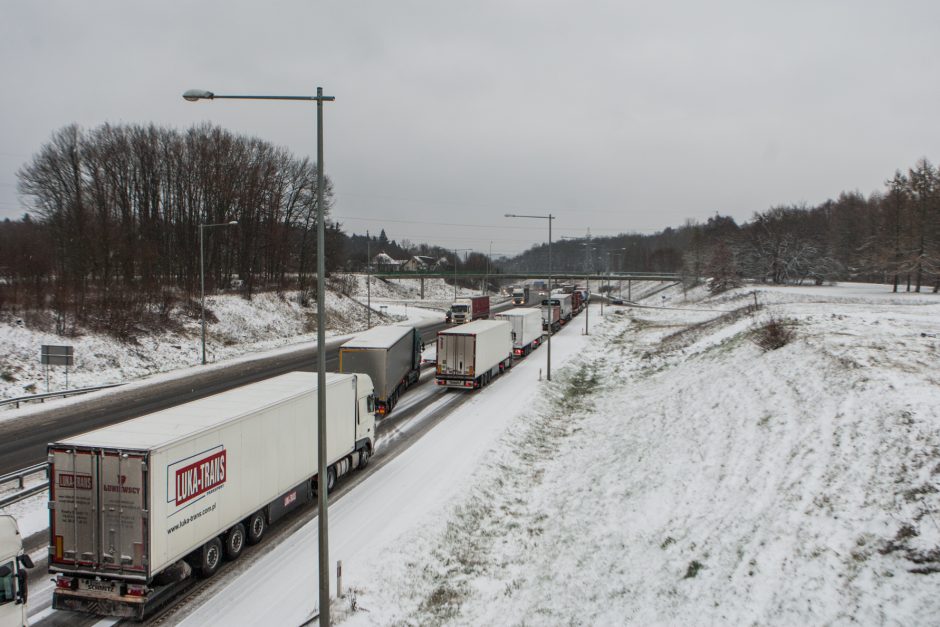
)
(677, 474)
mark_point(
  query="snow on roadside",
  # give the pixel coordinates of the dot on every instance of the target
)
(266, 322)
(675, 474)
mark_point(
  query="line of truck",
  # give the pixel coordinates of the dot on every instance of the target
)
(559, 307)
(138, 508)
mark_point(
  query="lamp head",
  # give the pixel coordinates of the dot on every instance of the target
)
(192, 95)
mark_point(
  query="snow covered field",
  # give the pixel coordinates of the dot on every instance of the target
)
(671, 473)
(268, 321)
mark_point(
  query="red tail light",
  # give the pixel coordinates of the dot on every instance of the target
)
(66, 583)
(136, 590)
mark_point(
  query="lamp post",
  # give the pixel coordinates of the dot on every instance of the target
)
(457, 250)
(194, 95)
(549, 217)
(368, 281)
(486, 281)
(202, 280)
(587, 285)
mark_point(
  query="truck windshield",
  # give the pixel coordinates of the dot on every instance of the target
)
(459, 308)
(6, 583)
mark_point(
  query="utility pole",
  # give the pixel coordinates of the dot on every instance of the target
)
(368, 280)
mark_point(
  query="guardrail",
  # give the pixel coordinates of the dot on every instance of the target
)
(64, 393)
(16, 497)
(19, 477)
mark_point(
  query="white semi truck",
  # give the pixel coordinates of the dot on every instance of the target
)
(13, 578)
(470, 355)
(526, 329)
(136, 507)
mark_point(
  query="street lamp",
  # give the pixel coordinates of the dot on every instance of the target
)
(368, 281)
(457, 250)
(486, 281)
(202, 280)
(324, 558)
(587, 286)
(549, 217)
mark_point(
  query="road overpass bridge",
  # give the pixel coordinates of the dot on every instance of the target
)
(558, 276)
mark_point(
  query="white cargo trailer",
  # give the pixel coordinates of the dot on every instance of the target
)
(526, 329)
(470, 355)
(135, 507)
(390, 355)
(563, 302)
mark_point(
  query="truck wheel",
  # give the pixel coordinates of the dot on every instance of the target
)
(364, 455)
(256, 528)
(234, 541)
(210, 557)
(330, 479)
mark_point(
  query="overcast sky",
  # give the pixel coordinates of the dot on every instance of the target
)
(614, 116)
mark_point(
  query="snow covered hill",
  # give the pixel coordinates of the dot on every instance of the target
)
(675, 473)
(235, 327)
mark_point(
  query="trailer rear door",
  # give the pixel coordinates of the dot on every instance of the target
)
(97, 510)
(456, 354)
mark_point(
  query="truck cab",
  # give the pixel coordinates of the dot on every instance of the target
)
(13, 565)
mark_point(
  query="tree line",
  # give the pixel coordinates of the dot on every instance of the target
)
(891, 236)
(113, 228)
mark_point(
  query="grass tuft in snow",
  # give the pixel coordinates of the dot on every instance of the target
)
(775, 333)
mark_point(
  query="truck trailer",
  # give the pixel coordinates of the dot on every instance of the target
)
(390, 355)
(469, 309)
(135, 508)
(470, 355)
(551, 317)
(526, 329)
(563, 302)
(13, 578)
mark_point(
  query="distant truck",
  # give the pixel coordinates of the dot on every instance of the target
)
(563, 301)
(469, 356)
(390, 355)
(551, 317)
(576, 306)
(520, 296)
(13, 578)
(136, 507)
(585, 295)
(526, 329)
(468, 309)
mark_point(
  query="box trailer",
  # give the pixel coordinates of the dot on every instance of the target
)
(563, 302)
(470, 355)
(390, 355)
(551, 317)
(526, 329)
(136, 507)
(469, 309)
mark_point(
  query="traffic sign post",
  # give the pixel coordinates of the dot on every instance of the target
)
(53, 355)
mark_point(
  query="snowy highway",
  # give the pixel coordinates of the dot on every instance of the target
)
(449, 431)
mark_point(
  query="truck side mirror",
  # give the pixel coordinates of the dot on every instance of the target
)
(5, 571)
(25, 561)
(22, 587)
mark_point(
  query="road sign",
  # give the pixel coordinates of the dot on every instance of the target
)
(51, 355)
